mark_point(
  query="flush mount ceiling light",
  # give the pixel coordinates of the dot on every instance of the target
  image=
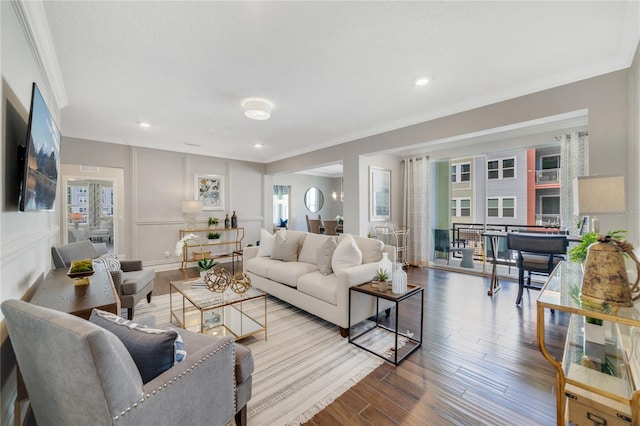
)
(422, 81)
(257, 109)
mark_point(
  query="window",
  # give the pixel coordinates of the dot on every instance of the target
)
(461, 207)
(501, 169)
(460, 172)
(501, 207)
(550, 162)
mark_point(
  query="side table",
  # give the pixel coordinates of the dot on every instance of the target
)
(368, 334)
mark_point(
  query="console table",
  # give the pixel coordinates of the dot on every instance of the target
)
(230, 240)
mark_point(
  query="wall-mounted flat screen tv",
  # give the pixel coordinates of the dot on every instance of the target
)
(42, 157)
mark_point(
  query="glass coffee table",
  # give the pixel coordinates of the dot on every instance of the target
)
(196, 308)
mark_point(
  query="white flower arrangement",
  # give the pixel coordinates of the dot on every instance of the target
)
(183, 242)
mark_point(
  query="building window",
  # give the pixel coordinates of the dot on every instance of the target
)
(550, 162)
(461, 207)
(460, 172)
(501, 207)
(501, 169)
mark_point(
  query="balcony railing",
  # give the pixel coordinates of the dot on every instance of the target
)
(548, 220)
(548, 176)
(470, 235)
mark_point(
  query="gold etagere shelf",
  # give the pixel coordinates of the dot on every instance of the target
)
(230, 240)
(600, 366)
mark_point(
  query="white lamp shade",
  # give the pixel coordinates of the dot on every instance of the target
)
(191, 206)
(599, 195)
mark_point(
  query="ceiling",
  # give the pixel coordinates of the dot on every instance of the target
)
(334, 71)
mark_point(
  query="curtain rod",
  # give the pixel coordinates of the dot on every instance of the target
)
(580, 135)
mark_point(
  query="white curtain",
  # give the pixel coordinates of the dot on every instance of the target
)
(416, 209)
(94, 205)
(574, 162)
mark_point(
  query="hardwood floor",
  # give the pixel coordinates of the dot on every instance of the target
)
(479, 363)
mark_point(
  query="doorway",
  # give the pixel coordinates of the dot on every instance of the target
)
(91, 205)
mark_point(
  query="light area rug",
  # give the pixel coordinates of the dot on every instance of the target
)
(302, 367)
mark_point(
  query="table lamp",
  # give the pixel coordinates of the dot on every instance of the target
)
(191, 208)
(605, 280)
(598, 195)
(75, 218)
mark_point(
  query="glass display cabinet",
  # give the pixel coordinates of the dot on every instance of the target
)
(598, 377)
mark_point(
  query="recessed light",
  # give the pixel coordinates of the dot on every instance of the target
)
(143, 124)
(257, 145)
(422, 81)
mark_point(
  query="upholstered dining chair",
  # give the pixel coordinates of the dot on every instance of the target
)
(79, 373)
(537, 254)
(330, 227)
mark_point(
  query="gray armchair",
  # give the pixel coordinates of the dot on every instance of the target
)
(132, 282)
(77, 373)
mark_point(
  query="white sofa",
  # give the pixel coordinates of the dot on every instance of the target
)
(299, 281)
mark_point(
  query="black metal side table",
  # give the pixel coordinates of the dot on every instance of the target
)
(371, 333)
(233, 260)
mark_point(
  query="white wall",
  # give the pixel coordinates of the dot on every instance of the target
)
(157, 181)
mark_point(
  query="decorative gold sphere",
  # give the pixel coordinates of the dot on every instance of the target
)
(217, 280)
(240, 283)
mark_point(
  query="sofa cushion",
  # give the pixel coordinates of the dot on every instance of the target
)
(324, 255)
(134, 281)
(371, 249)
(259, 265)
(289, 272)
(310, 246)
(153, 351)
(346, 255)
(285, 247)
(320, 286)
(266, 243)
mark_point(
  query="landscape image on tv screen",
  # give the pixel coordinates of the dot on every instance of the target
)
(42, 157)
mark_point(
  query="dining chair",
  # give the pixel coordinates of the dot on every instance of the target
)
(537, 254)
(330, 227)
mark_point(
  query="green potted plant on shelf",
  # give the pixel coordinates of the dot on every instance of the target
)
(213, 236)
(213, 222)
(382, 277)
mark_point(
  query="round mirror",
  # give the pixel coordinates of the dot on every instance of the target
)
(313, 199)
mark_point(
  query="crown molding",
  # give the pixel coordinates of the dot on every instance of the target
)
(36, 28)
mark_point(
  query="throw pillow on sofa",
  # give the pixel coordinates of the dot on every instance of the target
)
(310, 246)
(325, 254)
(285, 248)
(347, 254)
(266, 243)
(152, 350)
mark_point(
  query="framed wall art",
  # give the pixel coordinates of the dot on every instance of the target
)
(210, 190)
(379, 194)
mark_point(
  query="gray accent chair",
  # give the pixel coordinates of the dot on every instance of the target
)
(77, 373)
(132, 283)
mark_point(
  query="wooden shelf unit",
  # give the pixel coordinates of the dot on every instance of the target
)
(230, 240)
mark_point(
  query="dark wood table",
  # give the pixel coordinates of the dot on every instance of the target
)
(58, 292)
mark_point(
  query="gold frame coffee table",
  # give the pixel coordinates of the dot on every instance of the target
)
(218, 314)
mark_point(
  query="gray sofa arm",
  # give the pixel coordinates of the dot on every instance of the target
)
(116, 277)
(205, 378)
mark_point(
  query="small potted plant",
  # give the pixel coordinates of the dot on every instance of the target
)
(213, 236)
(213, 222)
(204, 265)
(382, 278)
